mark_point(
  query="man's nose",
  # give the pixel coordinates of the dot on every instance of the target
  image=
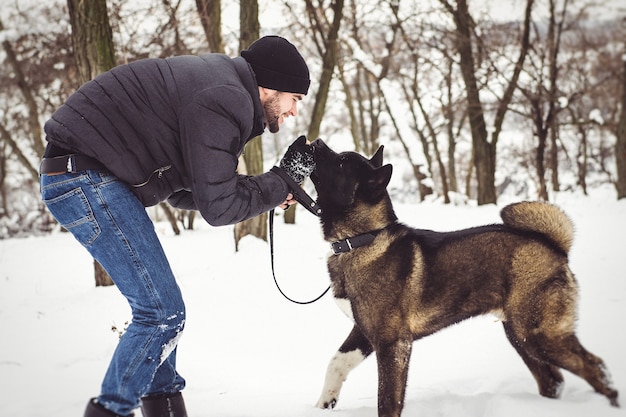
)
(294, 109)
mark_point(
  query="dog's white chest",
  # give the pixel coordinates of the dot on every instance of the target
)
(345, 306)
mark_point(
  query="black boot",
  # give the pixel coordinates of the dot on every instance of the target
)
(166, 405)
(96, 410)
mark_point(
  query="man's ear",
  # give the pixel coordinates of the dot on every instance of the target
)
(264, 93)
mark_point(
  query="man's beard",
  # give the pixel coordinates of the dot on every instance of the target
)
(272, 112)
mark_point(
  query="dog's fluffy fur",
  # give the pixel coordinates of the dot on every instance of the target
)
(409, 283)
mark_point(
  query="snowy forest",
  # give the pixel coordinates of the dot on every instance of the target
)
(472, 99)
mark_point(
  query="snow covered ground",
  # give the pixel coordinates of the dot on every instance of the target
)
(247, 351)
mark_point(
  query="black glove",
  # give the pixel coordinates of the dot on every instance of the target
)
(298, 161)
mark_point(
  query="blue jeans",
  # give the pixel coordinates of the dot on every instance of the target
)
(111, 223)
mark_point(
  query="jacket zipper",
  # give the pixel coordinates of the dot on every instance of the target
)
(158, 171)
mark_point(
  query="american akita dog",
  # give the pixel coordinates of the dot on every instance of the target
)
(400, 284)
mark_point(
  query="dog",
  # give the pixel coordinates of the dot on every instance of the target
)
(399, 284)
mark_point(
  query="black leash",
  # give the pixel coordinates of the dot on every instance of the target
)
(298, 193)
(311, 205)
(274, 273)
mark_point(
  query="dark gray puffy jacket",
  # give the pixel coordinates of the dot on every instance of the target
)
(174, 129)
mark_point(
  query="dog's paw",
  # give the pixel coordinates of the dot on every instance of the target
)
(327, 402)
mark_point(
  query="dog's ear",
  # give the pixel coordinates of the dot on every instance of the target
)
(377, 159)
(377, 184)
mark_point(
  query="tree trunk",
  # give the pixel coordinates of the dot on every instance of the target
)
(210, 12)
(582, 158)
(102, 278)
(92, 37)
(442, 168)
(484, 150)
(554, 156)
(7, 137)
(171, 217)
(329, 61)
(253, 156)
(349, 100)
(92, 40)
(419, 176)
(249, 26)
(4, 208)
(450, 116)
(328, 47)
(540, 161)
(33, 112)
(541, 131)
(554, 45)
(252, 164)
(620, 145)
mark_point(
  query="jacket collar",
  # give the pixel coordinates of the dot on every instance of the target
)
(249, 82)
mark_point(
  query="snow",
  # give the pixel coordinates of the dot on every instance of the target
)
(596, 116)
(246, 351)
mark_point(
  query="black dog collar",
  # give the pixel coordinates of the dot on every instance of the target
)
(346, 245)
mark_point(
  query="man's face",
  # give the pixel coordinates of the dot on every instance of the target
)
(279, 105)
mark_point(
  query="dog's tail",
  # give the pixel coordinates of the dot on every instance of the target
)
(544, 218)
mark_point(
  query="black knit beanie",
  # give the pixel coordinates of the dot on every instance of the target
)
(278, 65)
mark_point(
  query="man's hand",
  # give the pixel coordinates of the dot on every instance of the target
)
(288, 202)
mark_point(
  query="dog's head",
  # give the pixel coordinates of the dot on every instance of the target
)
(347, 183)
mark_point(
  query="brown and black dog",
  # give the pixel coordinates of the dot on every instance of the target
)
(399, 284)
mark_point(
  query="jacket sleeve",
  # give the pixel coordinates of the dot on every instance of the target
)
(214, 128)
(182, 200)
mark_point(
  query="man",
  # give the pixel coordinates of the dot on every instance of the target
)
(165, 129)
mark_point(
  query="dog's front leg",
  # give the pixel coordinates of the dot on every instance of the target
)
(352, 352)
(393, 366)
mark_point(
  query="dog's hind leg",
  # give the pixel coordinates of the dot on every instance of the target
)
(549, 333)
(549, 378)
(352, 352)
(393, 368)
(566, 352)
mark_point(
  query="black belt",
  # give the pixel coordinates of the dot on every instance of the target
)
(68, 164)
